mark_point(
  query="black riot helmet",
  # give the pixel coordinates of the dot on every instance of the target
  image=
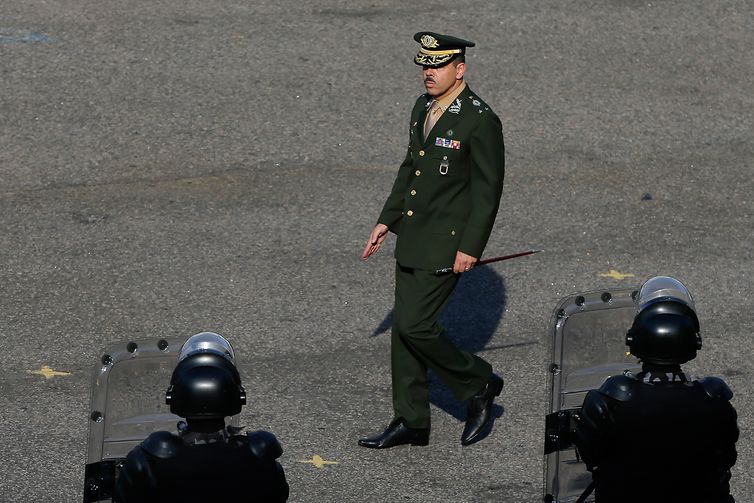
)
(205, 383)
(665, 330)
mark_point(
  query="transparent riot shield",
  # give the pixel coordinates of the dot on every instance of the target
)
(127, 405)
(588, 332)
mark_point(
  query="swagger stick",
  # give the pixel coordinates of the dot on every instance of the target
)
(486, 261)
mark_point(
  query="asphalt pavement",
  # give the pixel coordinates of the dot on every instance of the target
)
(171, 167)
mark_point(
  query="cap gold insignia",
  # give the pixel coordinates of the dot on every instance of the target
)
(429, 41)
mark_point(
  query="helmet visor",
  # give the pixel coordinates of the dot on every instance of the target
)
(207, 342)
(663, 288)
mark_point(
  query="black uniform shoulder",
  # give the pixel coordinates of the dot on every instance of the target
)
(422, 102)
(264, 445)
(479, 106)
(162, 444)
(594, 409)
(136, 478)
(137, 465)
(423, 99)
(620, 387)
(716, 388)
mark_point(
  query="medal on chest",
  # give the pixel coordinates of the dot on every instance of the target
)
(447, 143)
(444, 165)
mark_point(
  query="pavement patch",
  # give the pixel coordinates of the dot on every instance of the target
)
(318, 462)
(13, 36)
(48, 372)
(612, 273)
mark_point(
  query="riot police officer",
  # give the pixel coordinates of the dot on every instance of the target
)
(659, 436)
(205, 461)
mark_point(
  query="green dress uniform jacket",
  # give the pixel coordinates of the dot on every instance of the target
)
(444, 199)
(447, 192)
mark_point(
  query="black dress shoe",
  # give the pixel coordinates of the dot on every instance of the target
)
(479, 410)
(397, 433)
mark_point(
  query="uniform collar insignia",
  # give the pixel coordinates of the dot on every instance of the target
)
(455, 107)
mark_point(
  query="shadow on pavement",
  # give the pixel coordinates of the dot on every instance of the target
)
(471, 318)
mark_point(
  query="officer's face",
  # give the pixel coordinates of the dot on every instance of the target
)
(440, 81)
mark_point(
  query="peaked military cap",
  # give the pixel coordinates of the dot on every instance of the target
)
(438, 50)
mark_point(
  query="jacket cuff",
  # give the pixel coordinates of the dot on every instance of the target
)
(474, 240)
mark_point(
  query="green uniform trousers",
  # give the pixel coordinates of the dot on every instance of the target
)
(419, 343)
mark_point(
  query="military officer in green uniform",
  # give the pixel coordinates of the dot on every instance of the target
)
(442, 208)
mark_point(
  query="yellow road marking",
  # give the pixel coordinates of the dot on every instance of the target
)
(48, 372)
(318, 462)
(616, 275)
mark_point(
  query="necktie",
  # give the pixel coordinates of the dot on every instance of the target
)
(432, 117)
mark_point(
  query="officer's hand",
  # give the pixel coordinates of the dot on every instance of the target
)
(376, 238)
(463, 262)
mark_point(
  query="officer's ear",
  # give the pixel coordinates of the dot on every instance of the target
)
(460, 70)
